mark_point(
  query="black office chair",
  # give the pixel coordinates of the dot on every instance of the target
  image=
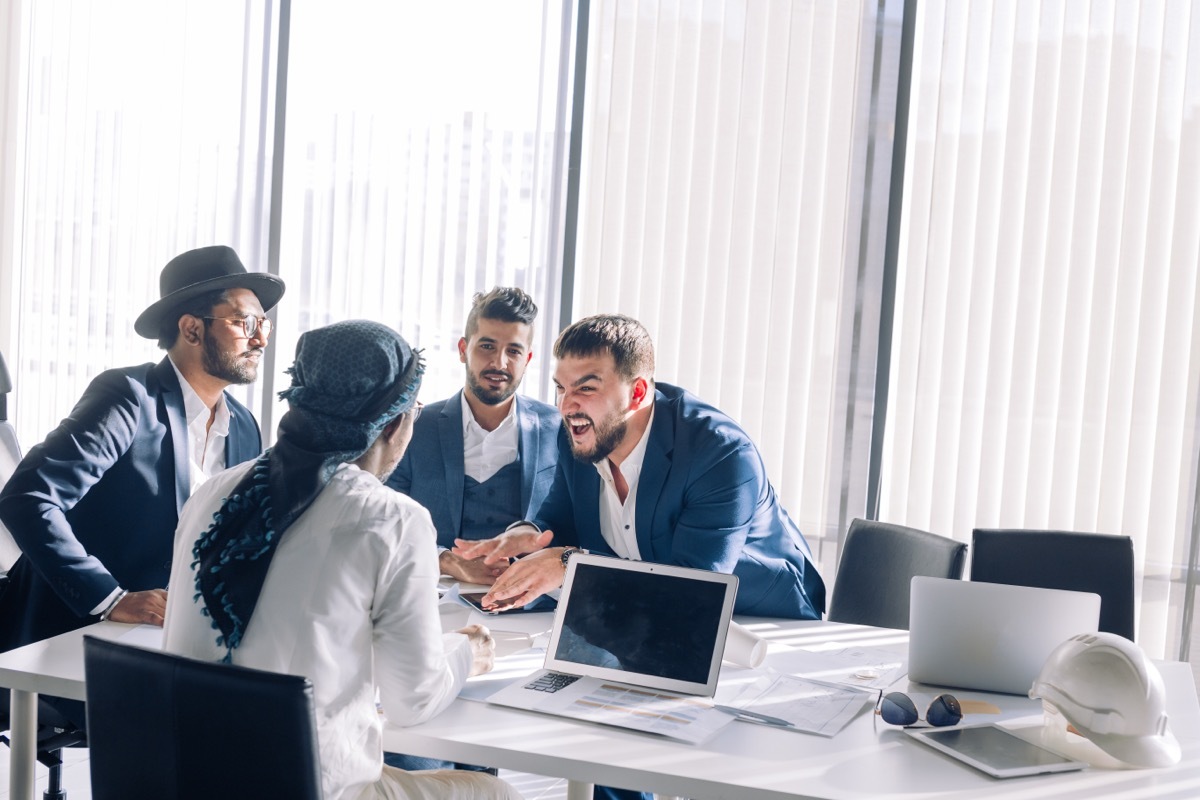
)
(878, 562)
(54, 731)
(1081, 562)
(165, 726)
(10, 456)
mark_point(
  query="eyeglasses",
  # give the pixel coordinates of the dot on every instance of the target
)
(415, 411)
(897, 708)
(251, 325)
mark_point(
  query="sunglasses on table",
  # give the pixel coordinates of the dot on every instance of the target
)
(897, 708)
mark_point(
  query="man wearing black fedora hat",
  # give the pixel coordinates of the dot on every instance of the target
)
(94, 506)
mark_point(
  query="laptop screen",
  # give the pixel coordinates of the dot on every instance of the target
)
(642, 623)
(989, 636)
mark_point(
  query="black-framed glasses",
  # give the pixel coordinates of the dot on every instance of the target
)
(897, 708)
(251, 325)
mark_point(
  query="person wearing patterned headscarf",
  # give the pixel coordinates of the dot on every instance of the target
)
(303, 562)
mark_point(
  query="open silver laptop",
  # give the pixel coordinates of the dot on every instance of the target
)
(633, 645)
(990, 636)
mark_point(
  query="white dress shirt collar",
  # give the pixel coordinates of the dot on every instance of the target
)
(486, 452)
(206, 445)
(618, 521)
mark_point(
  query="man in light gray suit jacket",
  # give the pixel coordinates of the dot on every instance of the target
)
(485, 456)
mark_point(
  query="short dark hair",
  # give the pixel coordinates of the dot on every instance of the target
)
(199, 306)
(624, 337)
(503, 303)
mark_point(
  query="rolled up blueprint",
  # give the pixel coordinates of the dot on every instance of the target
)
(744, 647)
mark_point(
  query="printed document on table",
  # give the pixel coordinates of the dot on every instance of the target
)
(863, 667)
(686, 719)
(810, 706)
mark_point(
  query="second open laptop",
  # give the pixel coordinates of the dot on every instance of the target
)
(989, 636)
(634, 644)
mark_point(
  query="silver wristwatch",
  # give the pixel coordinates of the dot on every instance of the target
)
(567, 553)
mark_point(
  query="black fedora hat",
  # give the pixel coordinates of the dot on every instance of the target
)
(205, 269)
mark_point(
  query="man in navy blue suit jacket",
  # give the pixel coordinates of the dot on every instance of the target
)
(651, 472)
(485, 456)
(94, 506)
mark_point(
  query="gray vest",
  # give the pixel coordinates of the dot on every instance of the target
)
(490, 506)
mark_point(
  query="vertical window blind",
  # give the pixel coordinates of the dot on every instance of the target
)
(1045, 362)
(719, 206)
(422, 163)
(133, 143)
(1044, 368)
(421, 141)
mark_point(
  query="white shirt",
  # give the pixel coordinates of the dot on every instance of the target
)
(486, 452)
(350, 600)
(618, 521)
(206, 445)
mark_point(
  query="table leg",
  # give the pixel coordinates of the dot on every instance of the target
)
(23, 733)
(579, 791)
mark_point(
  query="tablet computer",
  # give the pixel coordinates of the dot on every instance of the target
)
(474, 600)
(994, 750)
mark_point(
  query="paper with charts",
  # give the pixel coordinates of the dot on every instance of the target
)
(810, 706)
(871, 667)
(688, 719)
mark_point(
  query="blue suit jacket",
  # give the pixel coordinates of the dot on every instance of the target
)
(703, 501)
(432, 471)
(95, 505)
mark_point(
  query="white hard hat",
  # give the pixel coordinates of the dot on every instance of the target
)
(1106, 687)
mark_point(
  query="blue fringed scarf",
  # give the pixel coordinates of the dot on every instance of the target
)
(349, 380)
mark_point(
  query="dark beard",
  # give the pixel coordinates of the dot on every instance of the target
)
(608, 436)
(490, 397)
(227, 367)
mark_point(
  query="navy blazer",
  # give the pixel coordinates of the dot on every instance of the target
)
(703, 501)
(432, 471)
(95, 505)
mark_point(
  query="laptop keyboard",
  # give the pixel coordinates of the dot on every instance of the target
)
(552, 682)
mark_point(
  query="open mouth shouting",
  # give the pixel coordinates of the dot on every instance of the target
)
(578, 425)
(591, 442)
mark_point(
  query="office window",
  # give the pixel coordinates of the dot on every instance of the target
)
(722, 204)
(1045, 364)
(422, 161)
(132, 143)
(1043, 371)
(420, 167)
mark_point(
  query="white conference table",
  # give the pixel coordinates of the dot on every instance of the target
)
(866, 760)
(743, 761)
(53, 667)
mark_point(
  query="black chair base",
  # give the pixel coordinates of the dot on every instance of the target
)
(53, 734)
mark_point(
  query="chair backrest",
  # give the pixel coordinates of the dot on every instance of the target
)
(1082, 562)
(878, 563)
(165, 726)
(10, 456)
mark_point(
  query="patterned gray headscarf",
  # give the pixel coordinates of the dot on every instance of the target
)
(349, 380)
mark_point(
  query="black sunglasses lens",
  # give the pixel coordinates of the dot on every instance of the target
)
(898, 709)
(943, 711)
